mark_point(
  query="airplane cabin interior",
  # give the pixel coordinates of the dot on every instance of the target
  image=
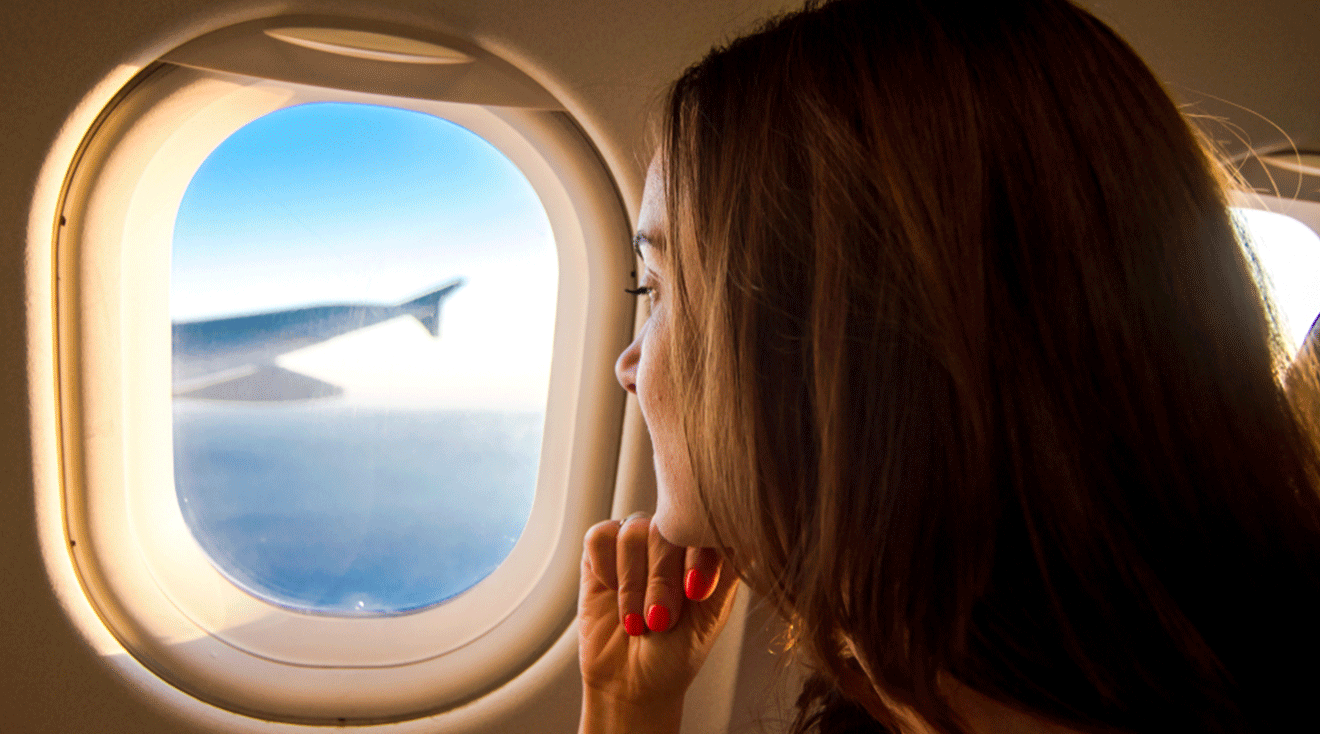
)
(139, 596)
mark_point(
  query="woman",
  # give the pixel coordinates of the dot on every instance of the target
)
(953, 347)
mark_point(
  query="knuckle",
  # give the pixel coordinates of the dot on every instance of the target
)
(632, 579)
(635, 531)
(631, 587)
(600, 535)
(663, 587)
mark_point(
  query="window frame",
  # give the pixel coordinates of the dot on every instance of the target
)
(146, 576)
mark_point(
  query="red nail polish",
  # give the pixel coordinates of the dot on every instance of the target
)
(696, 586)
(632, 623)
(657, 618)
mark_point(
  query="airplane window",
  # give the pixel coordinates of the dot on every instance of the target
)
(1288, 252)
(336, 407)
(363, 304)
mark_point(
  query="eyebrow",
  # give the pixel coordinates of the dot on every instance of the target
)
(638, 240)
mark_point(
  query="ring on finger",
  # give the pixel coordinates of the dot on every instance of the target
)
(635, 516)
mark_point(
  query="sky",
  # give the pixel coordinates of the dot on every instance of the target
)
(347, 203)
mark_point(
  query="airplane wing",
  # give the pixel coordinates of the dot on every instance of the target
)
(232, 358)
(262, 384)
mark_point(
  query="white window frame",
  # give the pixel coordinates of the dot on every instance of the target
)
(143, 571)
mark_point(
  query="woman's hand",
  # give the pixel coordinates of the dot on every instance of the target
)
(648, 613)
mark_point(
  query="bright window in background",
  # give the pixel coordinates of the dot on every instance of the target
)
(1289, 253)
(363, 301)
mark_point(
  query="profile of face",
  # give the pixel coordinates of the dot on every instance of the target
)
(642, 369)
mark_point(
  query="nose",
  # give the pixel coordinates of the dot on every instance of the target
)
(625, 367)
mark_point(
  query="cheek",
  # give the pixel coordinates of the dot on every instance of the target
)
(678, 514)
(653, 391)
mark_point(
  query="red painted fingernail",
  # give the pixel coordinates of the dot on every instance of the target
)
(695, 585)
(632, 623)
(657, 618)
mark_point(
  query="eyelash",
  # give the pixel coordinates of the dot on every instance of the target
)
(643, 291)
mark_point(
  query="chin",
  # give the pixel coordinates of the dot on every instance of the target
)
(682, 528)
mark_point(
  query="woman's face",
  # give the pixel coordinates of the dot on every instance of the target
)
(642, 369)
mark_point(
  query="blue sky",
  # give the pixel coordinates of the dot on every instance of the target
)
(344, 203)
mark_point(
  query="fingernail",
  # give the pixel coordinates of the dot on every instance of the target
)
(632, 623)
(695, 585)
(657, 618)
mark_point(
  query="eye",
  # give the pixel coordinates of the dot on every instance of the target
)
(644, 290)
(646, 286)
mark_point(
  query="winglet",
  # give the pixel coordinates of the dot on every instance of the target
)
(426, 308)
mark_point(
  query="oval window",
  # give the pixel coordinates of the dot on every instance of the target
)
(320, 466)
(1288, 254)
(363, 304)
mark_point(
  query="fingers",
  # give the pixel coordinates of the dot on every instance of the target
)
(664, 593)
(703, 573)
(651, 576)
(599, 552)
(633, 570)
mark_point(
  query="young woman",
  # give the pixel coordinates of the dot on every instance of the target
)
(953, 348)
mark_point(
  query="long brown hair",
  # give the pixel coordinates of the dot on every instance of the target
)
(979, 378)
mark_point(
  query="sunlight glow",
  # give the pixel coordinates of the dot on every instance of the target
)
(1289, 253)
